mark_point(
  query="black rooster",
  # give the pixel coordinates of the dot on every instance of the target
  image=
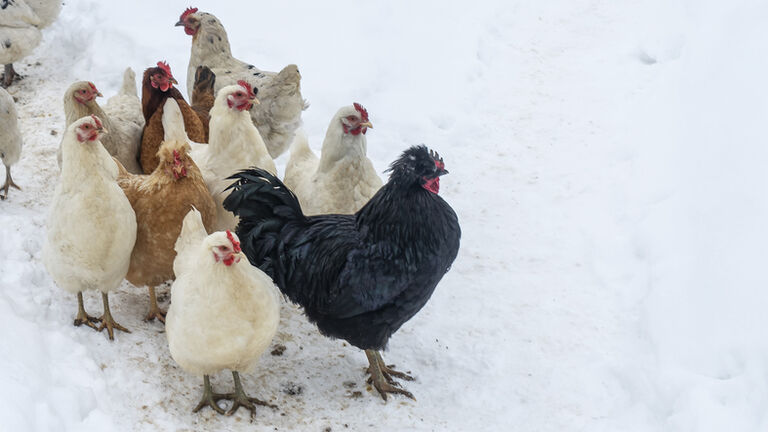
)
(358, 277)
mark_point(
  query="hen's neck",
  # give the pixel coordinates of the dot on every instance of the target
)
(210, 45)
(338, 146)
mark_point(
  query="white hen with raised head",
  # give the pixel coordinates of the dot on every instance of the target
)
(10, 139)
(224, 312)
(91, 226)
(123, 138)
(234, 143)
(279, 114)
(19, 35)
(343, 179)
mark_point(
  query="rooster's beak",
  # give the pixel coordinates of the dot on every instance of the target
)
(367, 124)
(173, 80)
(98, 94)
(441, 172)
(256, 101)
(179, 24)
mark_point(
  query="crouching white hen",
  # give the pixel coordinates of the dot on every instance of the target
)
(224, 312)
(91, 226)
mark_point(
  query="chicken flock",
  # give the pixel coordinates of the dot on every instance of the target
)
(155, 189)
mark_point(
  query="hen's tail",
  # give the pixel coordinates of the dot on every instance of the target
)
(265, 205)
(129, 83)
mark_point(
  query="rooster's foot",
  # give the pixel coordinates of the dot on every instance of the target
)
(382, 376)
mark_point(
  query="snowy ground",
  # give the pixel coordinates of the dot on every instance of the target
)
(604, 160)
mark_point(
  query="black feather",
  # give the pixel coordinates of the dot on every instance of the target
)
(359, 277)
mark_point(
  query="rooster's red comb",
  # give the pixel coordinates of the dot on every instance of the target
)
(438, 160)
(164, 66)
(93, 87)
(190, 10)
(235, 243)
(176, 157)
(363, 112)
(247, 86)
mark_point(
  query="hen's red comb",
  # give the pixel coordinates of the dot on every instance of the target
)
(235, 243)
(244, 84)
(97, 121)
(190, 10)
(93, 86)
(176, 157)
(164, 66)
(363, 112)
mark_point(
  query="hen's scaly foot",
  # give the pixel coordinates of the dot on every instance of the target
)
(210, 398)
(9, 75)
(382, 376)
(154, 309)
(8, 183)
(107, 322)
(82, 317)
(240, 399)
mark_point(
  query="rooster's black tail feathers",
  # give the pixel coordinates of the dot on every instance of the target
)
(264, 205)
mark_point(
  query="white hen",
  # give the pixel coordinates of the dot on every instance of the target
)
(121, 118)
(343, 179)
(10, 139)
(224, 312)
(91, 227)
(19, 35)
(279, 114)
(234, 143)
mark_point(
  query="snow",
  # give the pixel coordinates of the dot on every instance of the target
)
(604, 161)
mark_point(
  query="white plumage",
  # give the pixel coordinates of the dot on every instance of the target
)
(122, 118)
(10, 138)
(224, 312)
(20, 25)
(91, 227)
(234, 143)
(125, 104)
(279, 114)
(343, 179)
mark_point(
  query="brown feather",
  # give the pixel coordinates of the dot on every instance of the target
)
(152, 101)
(160, 202)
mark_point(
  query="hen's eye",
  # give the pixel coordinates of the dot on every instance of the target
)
(351, 118)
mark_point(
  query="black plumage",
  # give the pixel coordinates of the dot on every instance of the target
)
(358, 277)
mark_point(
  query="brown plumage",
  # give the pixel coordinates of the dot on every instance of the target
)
(203, 95)
(160, 201)
(152, 99)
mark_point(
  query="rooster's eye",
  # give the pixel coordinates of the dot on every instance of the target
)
(351, 118)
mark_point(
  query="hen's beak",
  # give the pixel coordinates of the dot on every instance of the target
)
(179, 24)
(441, 172)
(98, 94)
(256, 101)
(367, 124)
(173, 80)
